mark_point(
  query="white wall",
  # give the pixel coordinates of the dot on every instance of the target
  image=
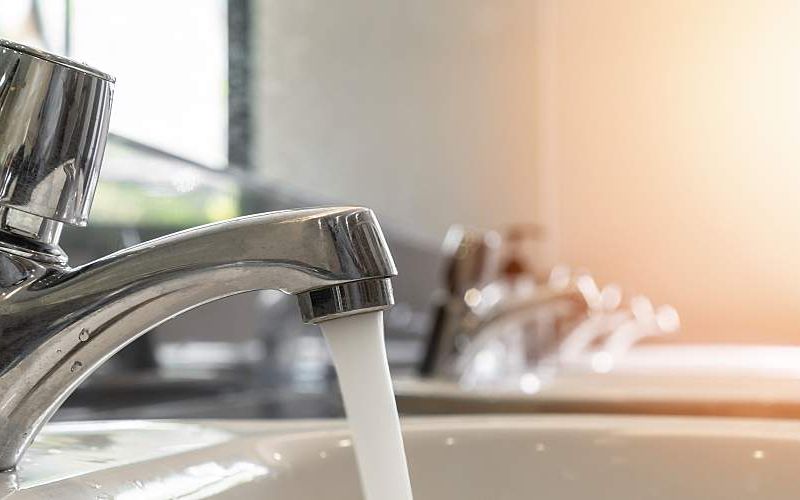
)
(676, 156)
(658, 140)
(170, 62)
(423, 110)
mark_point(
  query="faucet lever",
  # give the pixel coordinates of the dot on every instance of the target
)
(54, 116)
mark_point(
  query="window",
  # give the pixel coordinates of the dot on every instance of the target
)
(170, 60)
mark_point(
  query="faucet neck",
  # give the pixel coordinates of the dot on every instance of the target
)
(58, 325)
(31, 236)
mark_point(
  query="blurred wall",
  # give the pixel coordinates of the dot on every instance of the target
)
(675, 156)
(421, 110)
(657, 140)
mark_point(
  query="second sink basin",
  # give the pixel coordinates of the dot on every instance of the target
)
(464, 458)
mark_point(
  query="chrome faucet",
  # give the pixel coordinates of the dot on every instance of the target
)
(471, 259)
(478, 295)
(495, 322)
(58, 324)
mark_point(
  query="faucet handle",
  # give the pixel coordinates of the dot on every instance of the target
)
(54, 116)
(471, 258)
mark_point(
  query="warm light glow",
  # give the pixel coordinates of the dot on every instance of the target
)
(530, 383)
(602, 362)
(472, 297)
(673, 131)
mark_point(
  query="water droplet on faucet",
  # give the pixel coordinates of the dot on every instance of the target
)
(76, 366)
(84, 335)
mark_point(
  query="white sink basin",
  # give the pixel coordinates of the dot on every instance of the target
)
(701, 380)
(553, 457)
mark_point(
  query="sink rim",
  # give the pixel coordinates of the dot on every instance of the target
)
(254, 443)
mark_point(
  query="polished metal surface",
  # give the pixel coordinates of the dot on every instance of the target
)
(512, 331)
(471, 259)
(31, 236)
(54, 117)
(480, 290)
(334, 302)
(58, 324)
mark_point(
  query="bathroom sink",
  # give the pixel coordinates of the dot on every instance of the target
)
(504, 457)
(702, 380)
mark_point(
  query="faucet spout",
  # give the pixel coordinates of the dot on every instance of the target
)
(59, 324)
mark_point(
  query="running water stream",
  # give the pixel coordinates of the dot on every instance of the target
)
(359, 355)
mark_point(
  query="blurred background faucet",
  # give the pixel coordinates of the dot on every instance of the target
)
(486, 281)
(470, 258)
(496, 323)
(60, 323)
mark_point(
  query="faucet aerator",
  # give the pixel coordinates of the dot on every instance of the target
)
(356, 297)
